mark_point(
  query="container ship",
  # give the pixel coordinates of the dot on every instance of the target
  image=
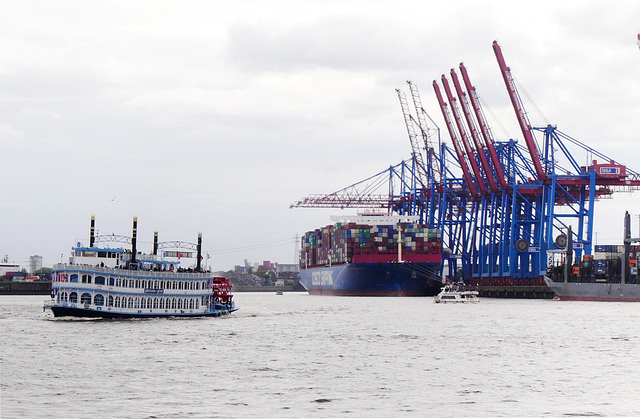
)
(372, 255)
(603, 276)
(610, 274)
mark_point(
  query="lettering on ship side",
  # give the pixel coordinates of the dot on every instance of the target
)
(322, 278)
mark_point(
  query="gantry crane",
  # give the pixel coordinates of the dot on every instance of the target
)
(503, 208)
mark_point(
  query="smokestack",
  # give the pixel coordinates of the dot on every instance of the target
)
(155, 243)
(199, 252)
(627, 248)
(568, 255)
(92, 236)
(133, 239)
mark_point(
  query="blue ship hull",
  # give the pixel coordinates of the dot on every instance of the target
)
(374, 279)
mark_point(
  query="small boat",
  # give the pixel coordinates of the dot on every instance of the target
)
(279, 293)
(452, 293)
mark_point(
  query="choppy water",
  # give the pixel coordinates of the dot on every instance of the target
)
(297, 355)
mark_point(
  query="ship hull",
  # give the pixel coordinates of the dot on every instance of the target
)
(66, 311)
(373, 279)
(590, 291)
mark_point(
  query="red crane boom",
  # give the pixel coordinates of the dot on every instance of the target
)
(520, 113)
(454, 139)
(474, 132)
(465, 137)
(484, 128)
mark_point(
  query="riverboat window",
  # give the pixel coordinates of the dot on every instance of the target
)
(161, 303)
(85, 298)
(155, 303)
(143, 303)
(100, 280)
(73, 278)
(98, 300)
(197, 304)
(64, 296)
(173, 303)
(137, 283)
(179, 303)
(144, 284)
(129, 302)
(175, 285)
(191, 303)
(112, 281)
(73, 297)
(168, 303)
(161, 284)
(117, 302)
(198, 285)
(102, 254)
(86, 279)
(136, 303)
(131, 283)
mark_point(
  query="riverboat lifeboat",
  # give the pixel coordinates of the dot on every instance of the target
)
(116, 283)
(453, 293)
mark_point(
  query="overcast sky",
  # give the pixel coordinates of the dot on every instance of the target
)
(214, 116)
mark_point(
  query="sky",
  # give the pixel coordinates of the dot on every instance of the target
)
(213, 117)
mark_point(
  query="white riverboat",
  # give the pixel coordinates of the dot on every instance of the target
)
(118, 283)
(452, 293)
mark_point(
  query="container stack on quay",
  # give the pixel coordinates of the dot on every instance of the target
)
(343, 243)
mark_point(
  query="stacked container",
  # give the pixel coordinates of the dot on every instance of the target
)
(337, 244)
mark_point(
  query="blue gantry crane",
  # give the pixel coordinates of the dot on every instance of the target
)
(504, 208)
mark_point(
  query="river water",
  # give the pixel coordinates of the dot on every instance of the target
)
(297, 355)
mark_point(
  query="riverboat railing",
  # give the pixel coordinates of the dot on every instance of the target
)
(129, 272)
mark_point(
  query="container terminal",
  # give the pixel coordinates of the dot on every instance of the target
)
(508, 212)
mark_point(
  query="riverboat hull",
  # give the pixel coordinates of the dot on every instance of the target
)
(67, 311)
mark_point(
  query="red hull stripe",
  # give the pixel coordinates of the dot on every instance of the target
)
(564, 298)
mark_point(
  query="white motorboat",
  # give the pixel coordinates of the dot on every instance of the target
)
(453, 293)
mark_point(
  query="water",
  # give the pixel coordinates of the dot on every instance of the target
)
(297, 355)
